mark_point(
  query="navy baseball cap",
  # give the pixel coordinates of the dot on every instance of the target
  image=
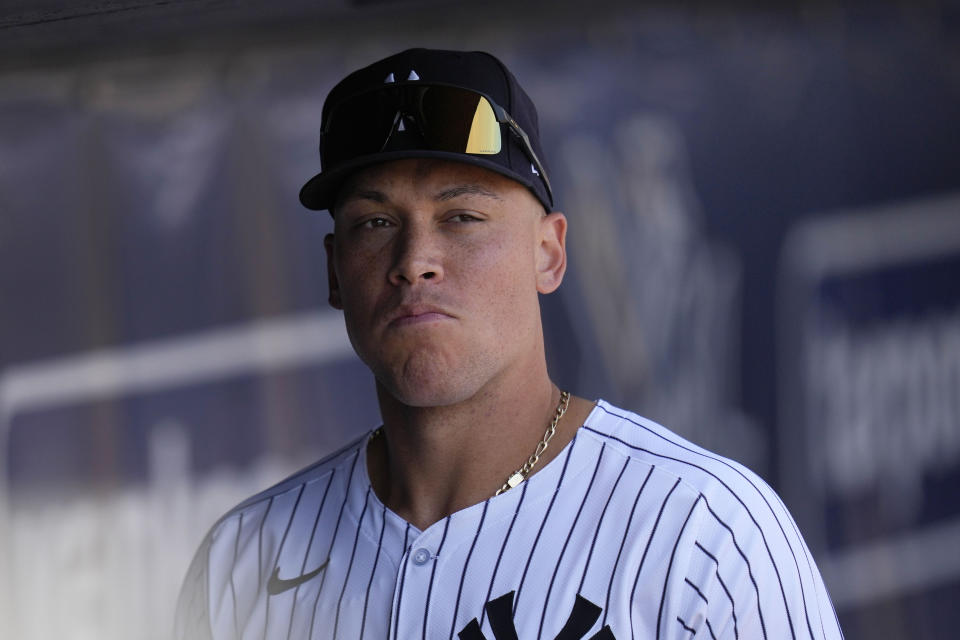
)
(464, 106)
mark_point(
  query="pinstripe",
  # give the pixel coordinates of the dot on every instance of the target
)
(293, 513)
(596, 532)
(796, 530)
(433, 574)
(763, 535)
(296, 478)
(673, 554)
(536, 540)
(563, 550)
(333, 539)
(466, 563)
(733, 606)
(403, 575)
(192, 619)
(623, 541)
(706, 620)
(756, 589)
(233, 588)
(697, 589)
(313, 533)
(353, 555)
(512, 542)
(643, 558)
(763, 497)
(260, 541)
(506, 538)
(373, 572)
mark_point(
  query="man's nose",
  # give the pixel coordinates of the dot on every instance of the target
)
(417, 256)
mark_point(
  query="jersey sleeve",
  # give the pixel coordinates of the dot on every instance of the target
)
(746, 573)
(192, 620)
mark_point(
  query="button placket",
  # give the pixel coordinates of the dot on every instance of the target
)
(413, 583)
(421, 556)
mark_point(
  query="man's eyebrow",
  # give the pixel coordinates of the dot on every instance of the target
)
(466, 189)
(362, 194)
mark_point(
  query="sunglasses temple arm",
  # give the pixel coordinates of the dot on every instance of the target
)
(543, 173)
(533, 156)
(504, 117)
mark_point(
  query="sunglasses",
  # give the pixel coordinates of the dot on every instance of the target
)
(446, 117)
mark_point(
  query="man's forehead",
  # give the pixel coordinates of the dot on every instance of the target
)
(434, 178)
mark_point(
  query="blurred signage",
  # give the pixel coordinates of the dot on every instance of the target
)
(869, 374)
(113, 463)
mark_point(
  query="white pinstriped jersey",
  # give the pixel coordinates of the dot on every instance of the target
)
(631, 532)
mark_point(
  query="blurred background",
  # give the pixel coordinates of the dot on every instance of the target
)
(764, 203)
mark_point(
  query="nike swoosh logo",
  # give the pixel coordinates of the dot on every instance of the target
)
(276, 584)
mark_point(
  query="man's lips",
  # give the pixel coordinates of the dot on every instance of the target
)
(417, 314)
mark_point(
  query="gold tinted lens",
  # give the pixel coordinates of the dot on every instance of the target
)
(484, 131)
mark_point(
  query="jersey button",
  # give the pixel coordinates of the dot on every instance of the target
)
(421, 557)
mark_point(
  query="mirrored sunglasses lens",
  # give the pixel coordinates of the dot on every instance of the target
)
(484, 131)
(359, 126)
(460, 121)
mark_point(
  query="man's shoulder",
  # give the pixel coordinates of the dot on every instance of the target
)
(346, 455)
(738, 528)
(722, 482)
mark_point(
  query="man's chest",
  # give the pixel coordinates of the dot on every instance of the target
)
(542, 571)
(491, 586)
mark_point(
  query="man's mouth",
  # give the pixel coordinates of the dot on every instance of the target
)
(417, 314)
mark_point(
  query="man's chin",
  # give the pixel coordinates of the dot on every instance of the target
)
(431, 388)
(432, 377)
(426, 395)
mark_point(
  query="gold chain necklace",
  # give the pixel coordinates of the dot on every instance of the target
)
(521, 474)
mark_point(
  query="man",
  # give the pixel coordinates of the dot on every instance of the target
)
(489, 504)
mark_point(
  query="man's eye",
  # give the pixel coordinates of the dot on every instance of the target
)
(373, 223)
(464, 217)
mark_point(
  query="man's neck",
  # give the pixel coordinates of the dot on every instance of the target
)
(430, 462)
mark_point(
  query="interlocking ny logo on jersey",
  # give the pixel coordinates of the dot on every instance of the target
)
(500, 612)
(276, 584)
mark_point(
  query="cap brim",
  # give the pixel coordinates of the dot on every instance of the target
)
(320, 192)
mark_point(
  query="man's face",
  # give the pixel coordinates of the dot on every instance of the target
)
(437, 266)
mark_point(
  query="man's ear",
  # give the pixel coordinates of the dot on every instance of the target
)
(334, 284)
(551, 252)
